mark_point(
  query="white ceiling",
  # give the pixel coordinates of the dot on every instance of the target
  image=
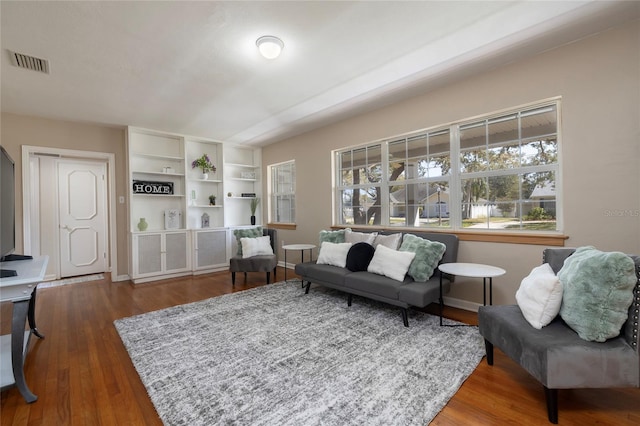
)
(192, 67)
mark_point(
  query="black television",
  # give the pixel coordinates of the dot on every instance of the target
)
(7, 210)
(7, 204)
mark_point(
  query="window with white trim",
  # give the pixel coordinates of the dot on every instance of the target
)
(495, 172)
(282, 192)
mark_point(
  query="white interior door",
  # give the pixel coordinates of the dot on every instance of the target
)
(82, 217)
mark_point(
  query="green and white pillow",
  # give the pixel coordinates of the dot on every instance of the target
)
(246, 233)
(332, 236)
(428, 254)
(597, 292)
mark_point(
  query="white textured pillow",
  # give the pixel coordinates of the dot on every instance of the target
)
(359, 237)
(256, 246)
(540, 296)
(391, 263)
(392, 241)
(333, 254)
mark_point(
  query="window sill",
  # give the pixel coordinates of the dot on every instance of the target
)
(553, 240)
(288, 226)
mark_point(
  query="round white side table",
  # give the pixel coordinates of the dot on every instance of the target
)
(302, 248)
(475, 270)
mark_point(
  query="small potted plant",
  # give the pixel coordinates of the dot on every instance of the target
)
(212, 200)
(205, 164)
(254, 206)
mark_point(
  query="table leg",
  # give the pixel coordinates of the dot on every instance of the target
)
(285, 266)
(440, 299)
(20, 312)
(301, 261)
(491, 290)
(484, 291)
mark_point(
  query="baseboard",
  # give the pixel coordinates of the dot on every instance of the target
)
(461, 304)
(287, 265)
(120, 278)
(210, 270)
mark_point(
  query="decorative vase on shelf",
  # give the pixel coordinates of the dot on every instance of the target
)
(254, 206)
(142, 225)
(205, 176)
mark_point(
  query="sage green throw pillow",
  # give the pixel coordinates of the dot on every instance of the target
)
(598, 290)
(246, 233)
(335, 237)
(428, 254)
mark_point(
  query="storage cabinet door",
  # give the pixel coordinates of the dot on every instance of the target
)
(210, 249)
(176, 246)
(147, 257)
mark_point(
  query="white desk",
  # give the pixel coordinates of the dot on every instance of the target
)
(302, 248)
(21, 290)
(475, 270)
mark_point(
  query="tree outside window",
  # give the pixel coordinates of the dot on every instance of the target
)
(499, 172)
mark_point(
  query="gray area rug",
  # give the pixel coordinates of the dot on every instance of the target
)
(275, 356)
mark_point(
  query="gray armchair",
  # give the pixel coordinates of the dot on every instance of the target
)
(264, 263)
(555, 355)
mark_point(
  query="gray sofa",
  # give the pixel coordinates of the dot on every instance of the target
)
(377, 287)
(555, 355)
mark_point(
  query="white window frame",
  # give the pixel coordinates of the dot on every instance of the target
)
(456, 175)
(277, 192)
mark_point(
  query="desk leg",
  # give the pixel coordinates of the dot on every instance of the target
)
(20, 311)
(32, 314)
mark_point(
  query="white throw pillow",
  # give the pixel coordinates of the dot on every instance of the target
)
(333, 254)
(391, 263)
(540, 296)
(359, 237)
(256, 246)
(392, 241)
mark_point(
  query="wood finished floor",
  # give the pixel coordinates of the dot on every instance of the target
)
(82, 373)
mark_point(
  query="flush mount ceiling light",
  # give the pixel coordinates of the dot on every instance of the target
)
(270, 46)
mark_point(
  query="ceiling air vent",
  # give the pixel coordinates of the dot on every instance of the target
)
(32, 63)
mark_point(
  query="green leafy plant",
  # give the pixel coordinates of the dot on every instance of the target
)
(204, 163)
(537, 213)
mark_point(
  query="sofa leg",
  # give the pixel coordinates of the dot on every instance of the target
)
(349, 299)
(306, 291)
(268, 277)
(551, 396)
(488, 347)
(405, 317)
(233, 279)
(245, 277)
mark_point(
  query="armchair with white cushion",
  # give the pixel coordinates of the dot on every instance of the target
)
(257, 253)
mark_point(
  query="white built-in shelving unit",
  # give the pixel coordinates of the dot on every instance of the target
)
(200, 240)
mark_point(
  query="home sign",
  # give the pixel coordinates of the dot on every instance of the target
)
(152, 188)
